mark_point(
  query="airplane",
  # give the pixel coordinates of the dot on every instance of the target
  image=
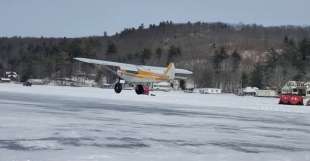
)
(137, 74)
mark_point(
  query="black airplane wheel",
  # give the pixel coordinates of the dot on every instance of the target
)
(139, 89)
(118, 88)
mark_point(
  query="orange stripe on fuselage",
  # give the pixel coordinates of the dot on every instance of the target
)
(142, 74)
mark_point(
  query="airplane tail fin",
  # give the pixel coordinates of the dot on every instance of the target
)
(170, 71)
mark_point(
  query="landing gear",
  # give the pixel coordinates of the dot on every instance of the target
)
(140, 89)
(118, 87)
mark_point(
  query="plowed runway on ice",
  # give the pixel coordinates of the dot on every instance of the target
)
(56, 127)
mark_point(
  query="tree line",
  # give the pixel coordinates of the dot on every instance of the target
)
(221, 55)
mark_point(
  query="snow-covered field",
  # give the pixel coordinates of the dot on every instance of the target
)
(48, 123)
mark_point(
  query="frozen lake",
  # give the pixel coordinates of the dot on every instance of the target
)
(46, 124)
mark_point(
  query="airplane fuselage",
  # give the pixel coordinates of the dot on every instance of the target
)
(141, 76)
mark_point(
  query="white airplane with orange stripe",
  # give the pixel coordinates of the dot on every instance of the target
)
(138, 74)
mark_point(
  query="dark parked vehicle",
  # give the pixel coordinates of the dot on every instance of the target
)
(27, 83)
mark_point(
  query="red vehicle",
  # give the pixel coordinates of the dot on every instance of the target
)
(289, 99)
(293, 93)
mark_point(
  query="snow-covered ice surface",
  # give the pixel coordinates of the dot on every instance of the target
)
(47, 123)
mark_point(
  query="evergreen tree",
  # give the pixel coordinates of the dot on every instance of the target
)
(285, 40)
(158, 52)
(236, 59)
(146, 55)
(244, 80)
(218, 58)
(75, 49)
(141, 27)
(293, 54)
(111, 49)
(304, 48)
(173, 53)
(256, 77)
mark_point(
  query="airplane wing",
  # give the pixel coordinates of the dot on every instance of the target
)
(122, 66)
(131, 67)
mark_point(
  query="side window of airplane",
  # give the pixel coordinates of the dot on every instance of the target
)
(132, 72)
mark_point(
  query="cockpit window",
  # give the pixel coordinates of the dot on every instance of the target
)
(133, 72)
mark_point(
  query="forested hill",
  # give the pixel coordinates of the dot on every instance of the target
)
(221, 55)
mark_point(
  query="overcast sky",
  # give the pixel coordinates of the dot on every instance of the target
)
(74, 18)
